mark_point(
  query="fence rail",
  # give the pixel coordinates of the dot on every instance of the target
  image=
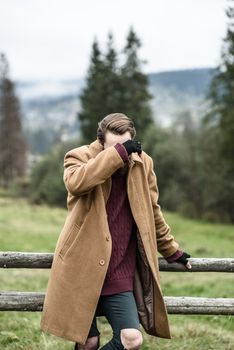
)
(33, 301)
(44, 261)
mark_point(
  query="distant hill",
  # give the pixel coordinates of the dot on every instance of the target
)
(179, 92)
(52, 106)
(194, 81)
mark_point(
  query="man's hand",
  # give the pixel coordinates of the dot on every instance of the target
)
(183, 259)
(132, 146)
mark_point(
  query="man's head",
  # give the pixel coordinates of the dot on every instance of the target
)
(114, 128)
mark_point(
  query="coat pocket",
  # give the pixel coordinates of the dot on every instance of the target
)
(69, 239)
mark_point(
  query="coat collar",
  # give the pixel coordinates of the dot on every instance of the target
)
(96, 147)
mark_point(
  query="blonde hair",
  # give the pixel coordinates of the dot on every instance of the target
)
(117, 123)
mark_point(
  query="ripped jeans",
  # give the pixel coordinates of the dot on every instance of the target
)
(121, 312)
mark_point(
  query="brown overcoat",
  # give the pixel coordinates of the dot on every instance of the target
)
(83, 249)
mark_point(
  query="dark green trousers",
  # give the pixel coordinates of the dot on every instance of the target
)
(121, 312)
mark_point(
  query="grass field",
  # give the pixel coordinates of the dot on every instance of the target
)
(36, 229)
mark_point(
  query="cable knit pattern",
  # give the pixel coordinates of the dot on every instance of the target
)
(120, 273)
(122, 226)
(122, 151)
(174, 256)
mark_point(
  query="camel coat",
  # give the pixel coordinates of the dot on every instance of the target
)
(83, 249)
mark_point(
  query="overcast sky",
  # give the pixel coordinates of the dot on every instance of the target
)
(48, 39)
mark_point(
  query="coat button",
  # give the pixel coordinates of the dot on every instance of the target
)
(107, 238)
(102, 262)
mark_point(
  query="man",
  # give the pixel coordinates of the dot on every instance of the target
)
(105, 258)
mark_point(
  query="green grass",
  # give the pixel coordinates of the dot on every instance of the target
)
(30, 228)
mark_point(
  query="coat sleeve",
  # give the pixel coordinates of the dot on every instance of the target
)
(80, 176)
(166, 244)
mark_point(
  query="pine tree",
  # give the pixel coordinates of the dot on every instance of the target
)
(93, 96)
(134, 83)
(113, 89)
(112, 78)
(221, 93)
(12, 143)
(220, 121)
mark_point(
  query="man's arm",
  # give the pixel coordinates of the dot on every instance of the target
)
(81, 177)
(166, 243)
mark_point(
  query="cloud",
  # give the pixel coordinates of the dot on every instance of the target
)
(52, 39)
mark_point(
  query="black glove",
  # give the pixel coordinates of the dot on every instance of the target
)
(183, 258)
(132, 146)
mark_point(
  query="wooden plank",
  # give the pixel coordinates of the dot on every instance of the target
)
(33, 301)
(44, 261)
(200, 305)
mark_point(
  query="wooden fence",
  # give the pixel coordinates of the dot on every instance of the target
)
(33, 301)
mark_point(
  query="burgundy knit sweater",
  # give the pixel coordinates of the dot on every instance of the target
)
(122, 226)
